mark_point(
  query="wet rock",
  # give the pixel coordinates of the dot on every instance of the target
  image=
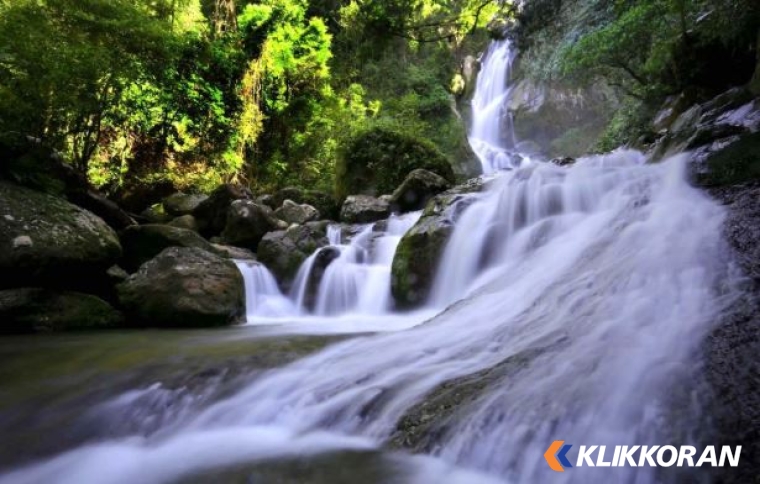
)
(247, 223)
(211, 214)
(565, 161)
(284, 251)
(184, 287)
(293, 213)
(32, 310)
(418, 187)
(180, 204)
(143, 242)
(732, 367)
(187, 222)
(325, 257)
(420, 250)
(424, 425)
(45, 240)
(358, 209)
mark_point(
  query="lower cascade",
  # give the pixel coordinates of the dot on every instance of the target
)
(578, 298)
(355, 281)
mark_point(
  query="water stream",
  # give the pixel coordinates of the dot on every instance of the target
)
(585, 291)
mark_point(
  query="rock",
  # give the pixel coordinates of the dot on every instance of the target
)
(754, 83)
(155, 214)
(284, 251)
(325, 256)
(293, 213)
(231, 252)
(566, 161)
(363, 209)
(418, 187)
(557, 120)
(144, 242)
(184, 287)
(180, 203)
(421, 248)
(323, 202)
(247, 223)
(211, 214)
(45, 240)
(187, 222)
(731, 364)
(32, 310)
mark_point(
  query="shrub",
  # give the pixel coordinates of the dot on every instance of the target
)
(378, 159)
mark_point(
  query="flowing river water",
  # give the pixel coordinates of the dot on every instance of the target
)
(583, 292)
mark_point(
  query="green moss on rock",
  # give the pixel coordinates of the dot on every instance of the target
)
(32, 310)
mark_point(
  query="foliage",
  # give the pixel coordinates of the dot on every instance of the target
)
(187, 94)
(380, 157)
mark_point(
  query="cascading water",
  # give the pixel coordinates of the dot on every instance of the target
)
(340, 279)
(580, 297)
(589, 311)
(492, 134)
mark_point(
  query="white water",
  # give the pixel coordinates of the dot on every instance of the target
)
(588, 287)
(604, 278)
(492, 134)
(353, 294)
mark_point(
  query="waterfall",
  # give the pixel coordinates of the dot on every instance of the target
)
(340, 279)
(263, 298)
(492, 134)
(578, 299)
(591, 301)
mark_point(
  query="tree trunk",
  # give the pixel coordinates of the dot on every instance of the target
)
(225, 17)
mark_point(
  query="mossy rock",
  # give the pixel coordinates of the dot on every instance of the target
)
(32, 310)
(283, 251)
(184, 287)
(377, 161)
(737, 163)
(45, 240)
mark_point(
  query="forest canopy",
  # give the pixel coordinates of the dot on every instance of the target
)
(193, 93)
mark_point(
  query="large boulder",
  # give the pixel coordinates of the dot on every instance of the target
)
(293, 213)
(362, 209)
(421, 248)
(248, 222)
(184, 287)
(211, 214)
(31, 310)
(179, 204)
(418, 187)
(284, 251)
(46, 240)
(143, 242)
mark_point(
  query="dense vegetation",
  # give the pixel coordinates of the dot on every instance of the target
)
(186, 94)
(646, 50)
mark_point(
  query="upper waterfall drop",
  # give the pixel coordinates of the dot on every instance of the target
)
(492, 134)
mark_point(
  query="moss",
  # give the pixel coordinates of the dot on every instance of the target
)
(377, 161)
(738, 163)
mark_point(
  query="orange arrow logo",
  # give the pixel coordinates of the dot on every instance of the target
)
(551, 453)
